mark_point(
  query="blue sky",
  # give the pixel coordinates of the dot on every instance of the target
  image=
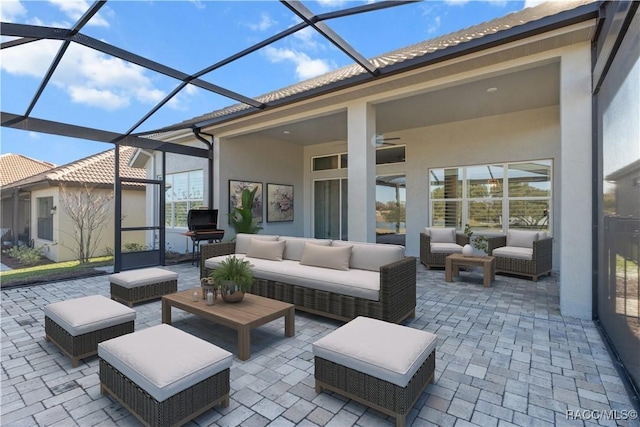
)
(96, 90)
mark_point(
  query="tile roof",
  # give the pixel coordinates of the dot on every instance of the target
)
(406, 54)
(14, 167)
(95, 169)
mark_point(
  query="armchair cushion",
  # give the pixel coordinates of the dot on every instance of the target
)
(441, 235)
(446, 248)
(516, 252)
(522, 238)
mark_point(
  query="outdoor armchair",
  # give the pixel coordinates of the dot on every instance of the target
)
(525, 253)
(436, 243)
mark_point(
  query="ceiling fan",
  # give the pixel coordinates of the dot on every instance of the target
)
(381, 140)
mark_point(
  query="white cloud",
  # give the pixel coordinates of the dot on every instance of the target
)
(433, 27)
(198, 4)
(87, 76)
(10, 10)
(74, 9)
(34, 135)
(532, 3)
(264, 24)
(306, 67)
(331, 3)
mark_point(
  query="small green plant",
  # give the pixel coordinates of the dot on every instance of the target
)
(25, 254)
(235, 270)
(480, 242)
(133, 247)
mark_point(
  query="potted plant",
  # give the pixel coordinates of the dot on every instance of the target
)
(242, 216)
(233, 277)
(480, 242)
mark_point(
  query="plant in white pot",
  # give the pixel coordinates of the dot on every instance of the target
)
(233, 277)
(480, 242)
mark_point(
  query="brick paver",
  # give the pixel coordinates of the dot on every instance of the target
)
(505, 356)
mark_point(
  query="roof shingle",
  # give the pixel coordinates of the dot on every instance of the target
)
(14, 167)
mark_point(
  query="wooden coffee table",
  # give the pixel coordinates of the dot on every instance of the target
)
(251, 312)
(455, 261)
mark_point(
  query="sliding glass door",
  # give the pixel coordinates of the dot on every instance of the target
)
(330, 209)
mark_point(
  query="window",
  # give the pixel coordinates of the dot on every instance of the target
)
(483, 196)
(184, 191)
(384, 155)
(45, 218)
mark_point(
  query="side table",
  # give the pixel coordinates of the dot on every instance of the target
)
(455, 261)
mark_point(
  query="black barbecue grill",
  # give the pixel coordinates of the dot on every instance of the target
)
(203, 225)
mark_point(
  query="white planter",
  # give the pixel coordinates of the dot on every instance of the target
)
(467, 250)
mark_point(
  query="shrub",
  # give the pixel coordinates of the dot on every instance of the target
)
(25, 254)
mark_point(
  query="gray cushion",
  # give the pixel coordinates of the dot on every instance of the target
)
(142, 276)
(522, 238)
(87, 314)
(243, 240)
(295, 246)
(514, 252)
(381, 349)
(371, 256)
(446, 248)
(441, 235)
(326, 256)
(266, 250)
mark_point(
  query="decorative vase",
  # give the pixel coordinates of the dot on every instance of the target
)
(231, 292)
(467, 250)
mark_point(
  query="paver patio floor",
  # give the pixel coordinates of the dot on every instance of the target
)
(505, 356)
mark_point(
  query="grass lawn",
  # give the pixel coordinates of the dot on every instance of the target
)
(53, 271)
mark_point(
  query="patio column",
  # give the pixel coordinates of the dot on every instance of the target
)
(574, 230)
(361, 129)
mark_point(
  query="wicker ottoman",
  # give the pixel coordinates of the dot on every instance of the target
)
(78, 325)
(164, 376)
(379, 364)
(143, 284)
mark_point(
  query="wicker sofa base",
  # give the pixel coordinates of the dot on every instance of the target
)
(174, 411)
(142, 293)
(329, 304)
(378, 394)
(85, 345)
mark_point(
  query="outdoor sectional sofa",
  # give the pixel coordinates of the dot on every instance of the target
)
(336, 279)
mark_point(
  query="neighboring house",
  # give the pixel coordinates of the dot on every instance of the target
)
(491, 122)
(48, 224)
(14, 167)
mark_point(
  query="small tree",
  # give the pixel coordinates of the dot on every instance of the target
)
(88, 209)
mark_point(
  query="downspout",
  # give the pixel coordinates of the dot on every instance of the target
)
(197, 134)
(15, 221)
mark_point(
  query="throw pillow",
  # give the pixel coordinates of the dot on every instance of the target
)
(443, 235)
(333, 257)
(265, 249)
(243, 240)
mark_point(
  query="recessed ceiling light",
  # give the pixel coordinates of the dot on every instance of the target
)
(492, 89)
(286, 132)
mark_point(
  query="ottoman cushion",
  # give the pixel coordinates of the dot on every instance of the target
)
(87, 314)
(383, 350)
(163, 360)
(142, 276)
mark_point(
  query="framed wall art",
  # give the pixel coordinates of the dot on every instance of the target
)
(279, 202)
(235, 197)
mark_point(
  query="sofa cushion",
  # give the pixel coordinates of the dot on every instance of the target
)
(441, 235)
(522, 238)
(446, 248)
(514, 252)
(384, 350)
(243, 240)
(295, 246)
(87, 314)
(354, 283)
(326, 256)
(371, 256)
(163, 360)
(266, 249)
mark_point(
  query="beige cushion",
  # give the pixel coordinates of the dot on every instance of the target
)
(371, 256)
(266, 249)
(521, 238)
(514, 252)
(441, 235)
(326, 256)
(243, 240)
(353, 282)
(295, 246)
(446, 248)
(87, 314)
(387, 351)
(163, 360)
(142, 276)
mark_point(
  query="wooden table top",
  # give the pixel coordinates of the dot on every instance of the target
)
(252, 310)
(472, 258)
